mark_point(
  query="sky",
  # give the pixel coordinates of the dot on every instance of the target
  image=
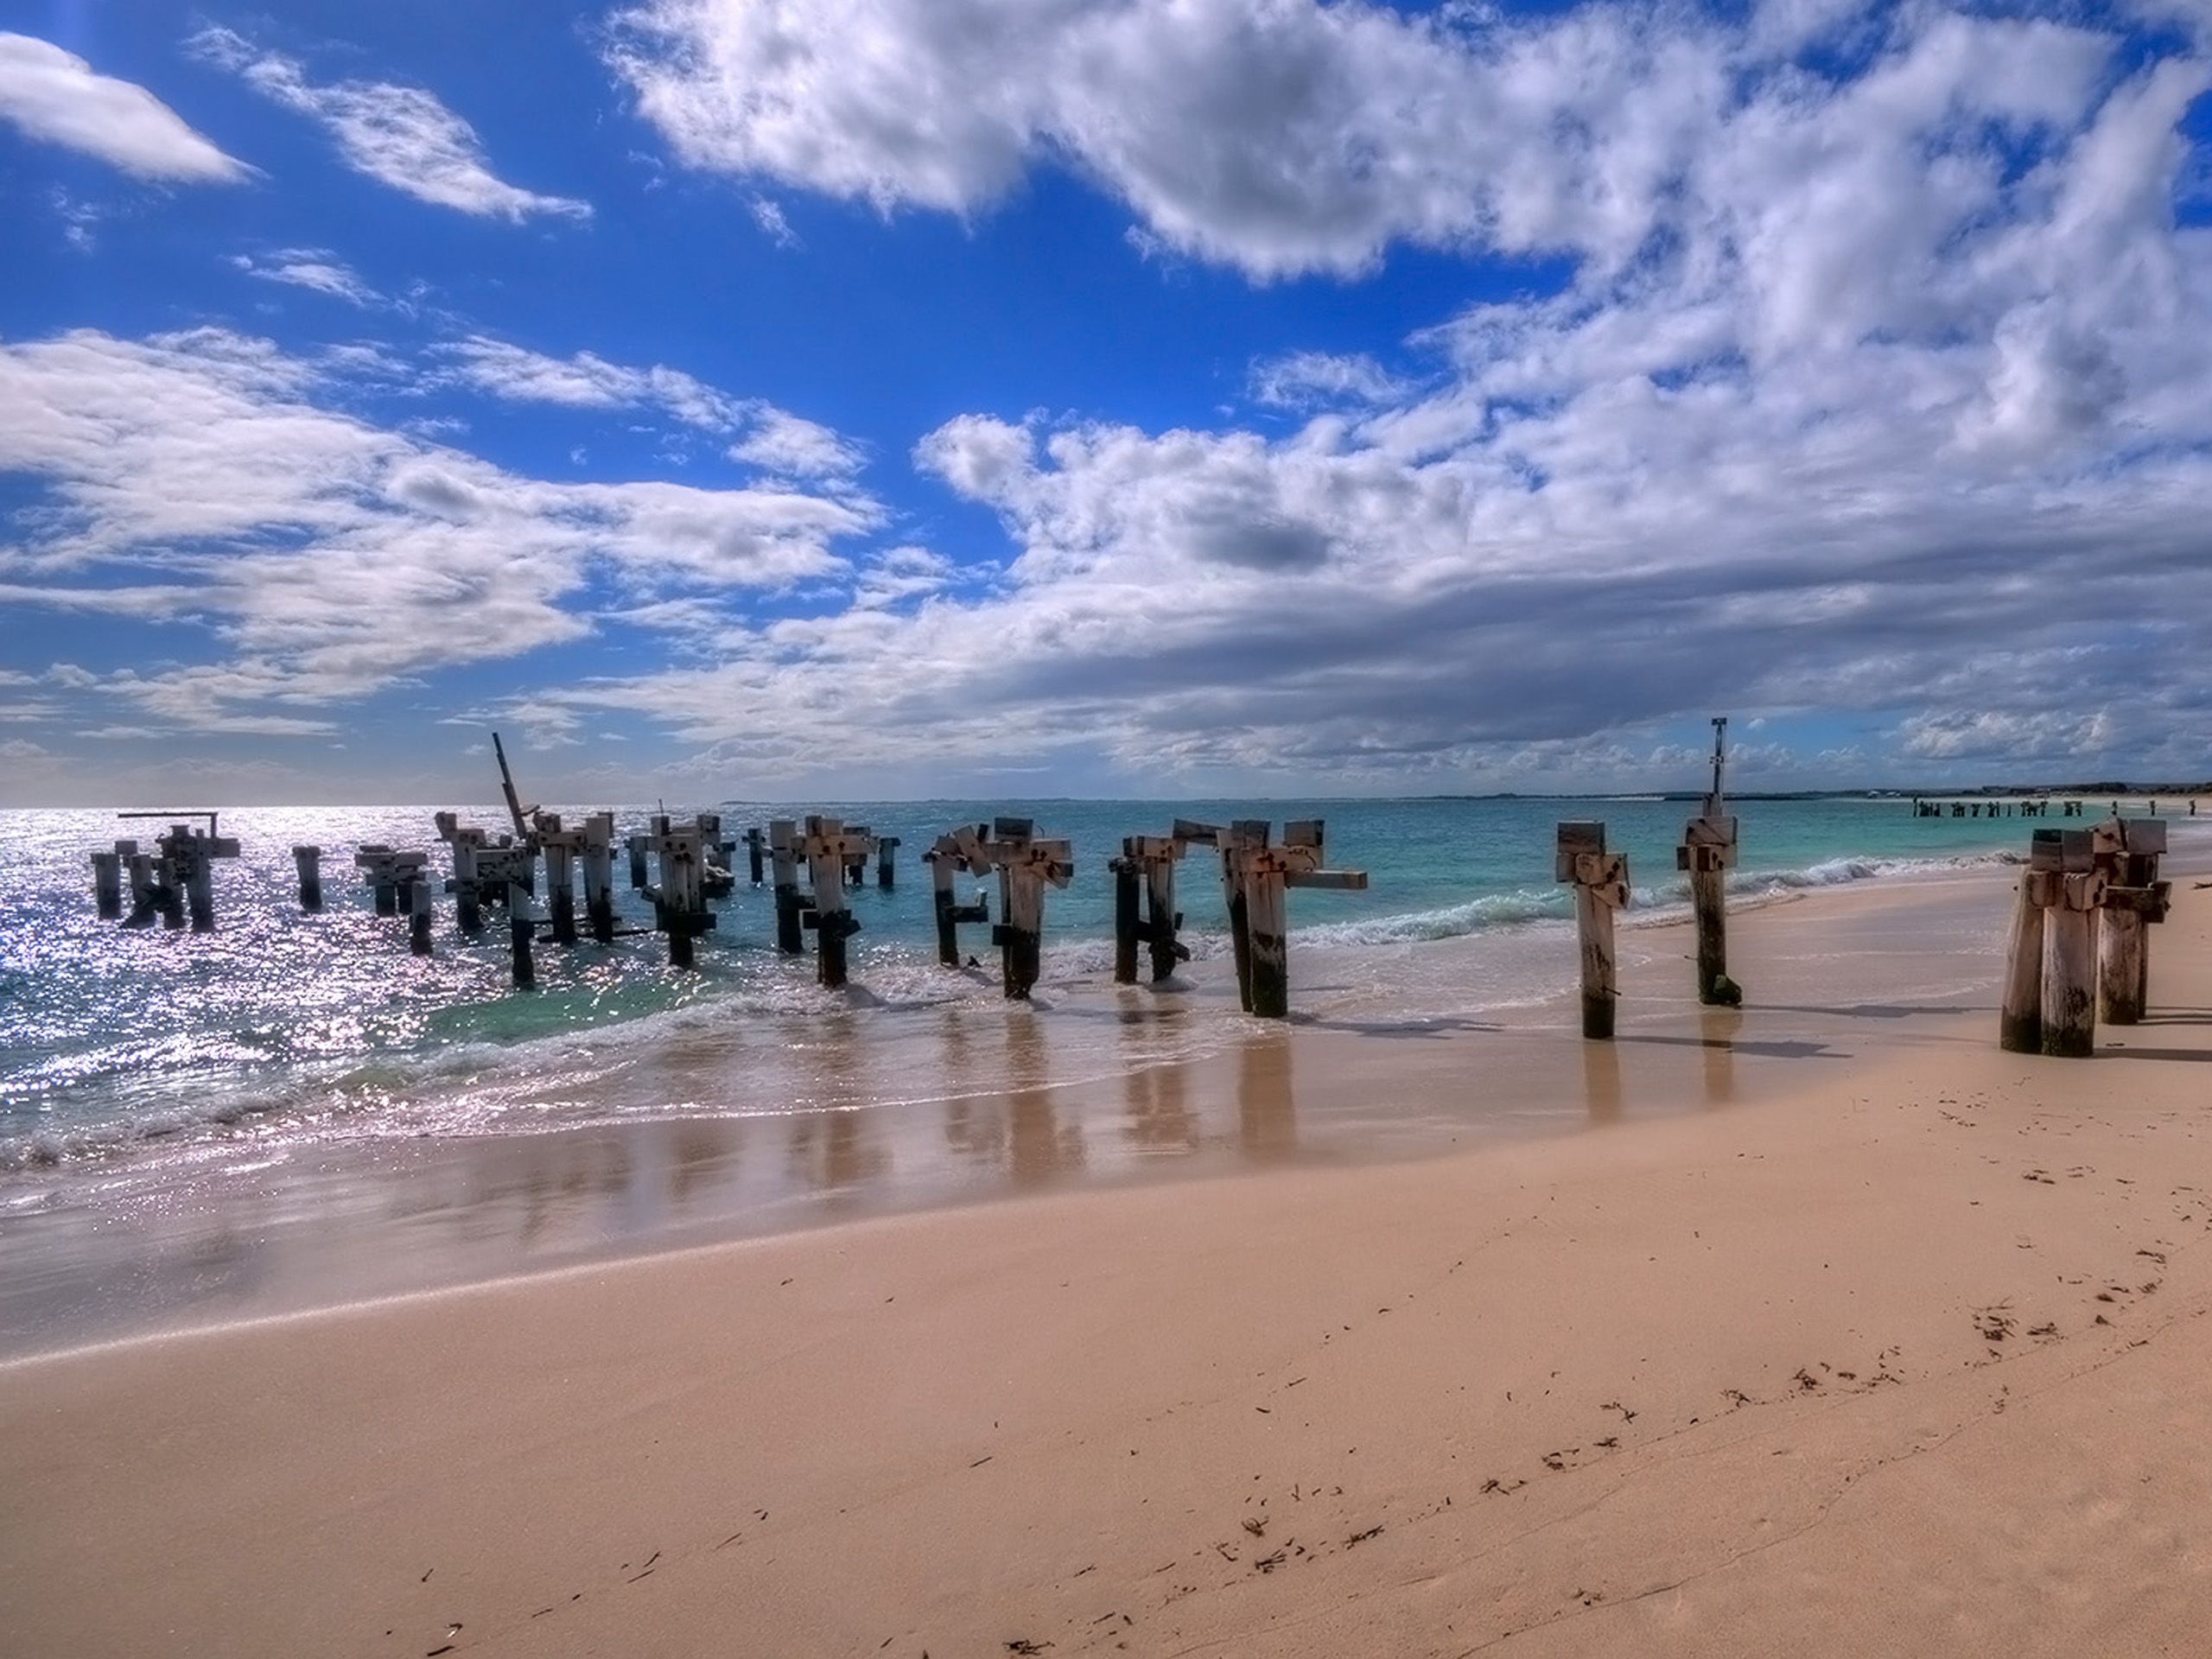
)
(864, 398)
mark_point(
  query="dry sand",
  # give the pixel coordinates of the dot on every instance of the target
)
(1915, 1360)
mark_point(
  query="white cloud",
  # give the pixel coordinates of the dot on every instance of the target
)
(201, 477)
(54, 96)
(792, 447)
(313, 268)
(403, 136)
(1308, 380)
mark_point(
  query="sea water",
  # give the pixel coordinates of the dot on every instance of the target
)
(123, 1050)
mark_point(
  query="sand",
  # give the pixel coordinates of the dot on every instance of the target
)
(1911, 1358)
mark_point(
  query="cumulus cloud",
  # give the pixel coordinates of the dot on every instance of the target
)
(1839, 411)
(54, 96)
(403, 136)
(205, 477)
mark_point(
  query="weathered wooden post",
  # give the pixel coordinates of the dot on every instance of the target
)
(1129, 910)
(2127, 852)
(1600, 882)
(1160, 854)
(680, 903)
(790, 907)
(2069, 999)
(467, 843)
(2020, 1023)
(373, 860)
(309, 861)
(522, 932)
(860, 842)
(560, 845)
(755, 844)
(146, 895)
(715, 879)
(1025, 865)
(107, 884)
(419, 912)
(829, 849)
(1708, 853)
(598, 875)
(886, 877)
(187, 858)
(951, 853)
(1263, 874)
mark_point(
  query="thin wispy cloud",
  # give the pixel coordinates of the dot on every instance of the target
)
(316, 269)
(403, 136)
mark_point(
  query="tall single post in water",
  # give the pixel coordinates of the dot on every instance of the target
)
(1263, 874)
(949, 855)
(107, 884)
(755, 845)
(1708, 853)
(560, 845)
(309, 860)
(1026, 865)
(886, 876)
(2069, 999)
(828, 848)
(1600, 882)
(419, 912)
(790, 907)
(640, 876)
(522, 931)
(465, 884)
(145, 894)
(680, 903)
(598, 875)
(2127, 851)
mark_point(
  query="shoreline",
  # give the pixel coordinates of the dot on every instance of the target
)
(1907, 1358)
(345, 1221)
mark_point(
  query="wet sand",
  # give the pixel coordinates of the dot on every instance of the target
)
(1391, 1056)
(1909, 1355)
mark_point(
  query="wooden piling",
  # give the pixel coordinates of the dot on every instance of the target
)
(2128, 852)
(1245, 836)
(2070, 1000)
(1025, 866)
(522, 933)
(2019, 1025)
(790, 937)
(1128, 911)
(107, 885)
(1265, 928)
(598, 875)
(1162, 920)
(309, 861)
(466, 885)
(829, 849)
(641, 877)
(755, 845)
(1600, 882)
(952, 854)
(679, 902)
(886, 875)
(560, 845)
(419, 907)
(1707, 853)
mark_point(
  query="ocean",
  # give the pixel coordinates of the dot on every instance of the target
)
(140, 1049)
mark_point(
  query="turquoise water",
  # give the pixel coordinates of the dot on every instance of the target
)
(117, 1044)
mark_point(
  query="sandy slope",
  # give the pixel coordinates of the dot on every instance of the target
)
(1916, 1361)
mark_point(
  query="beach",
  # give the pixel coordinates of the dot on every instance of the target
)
(1826, 1326)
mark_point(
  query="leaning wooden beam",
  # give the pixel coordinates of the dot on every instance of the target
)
(951, 856)
(828, 848)
(1600, 882)
(2069, 1000)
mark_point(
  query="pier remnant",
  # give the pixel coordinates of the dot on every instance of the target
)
(1600, 882)
(1708, 853)
(598, 852)
(887, 875)
(679, 902)
(2073, 891)
(561, 846)
(829, 849)
(419, 910)
(188, 866)
(755, 845)
(107, 880)
(387, 874)
(1144, 906)
(2127, 850)
(466, 841)
(309, 861)
(952, 852)
(522, 933)
(1256, 876)
(791, 905)
(1025, 867)
(2020, 1023)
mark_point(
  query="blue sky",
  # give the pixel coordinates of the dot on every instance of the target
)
(902, 396)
